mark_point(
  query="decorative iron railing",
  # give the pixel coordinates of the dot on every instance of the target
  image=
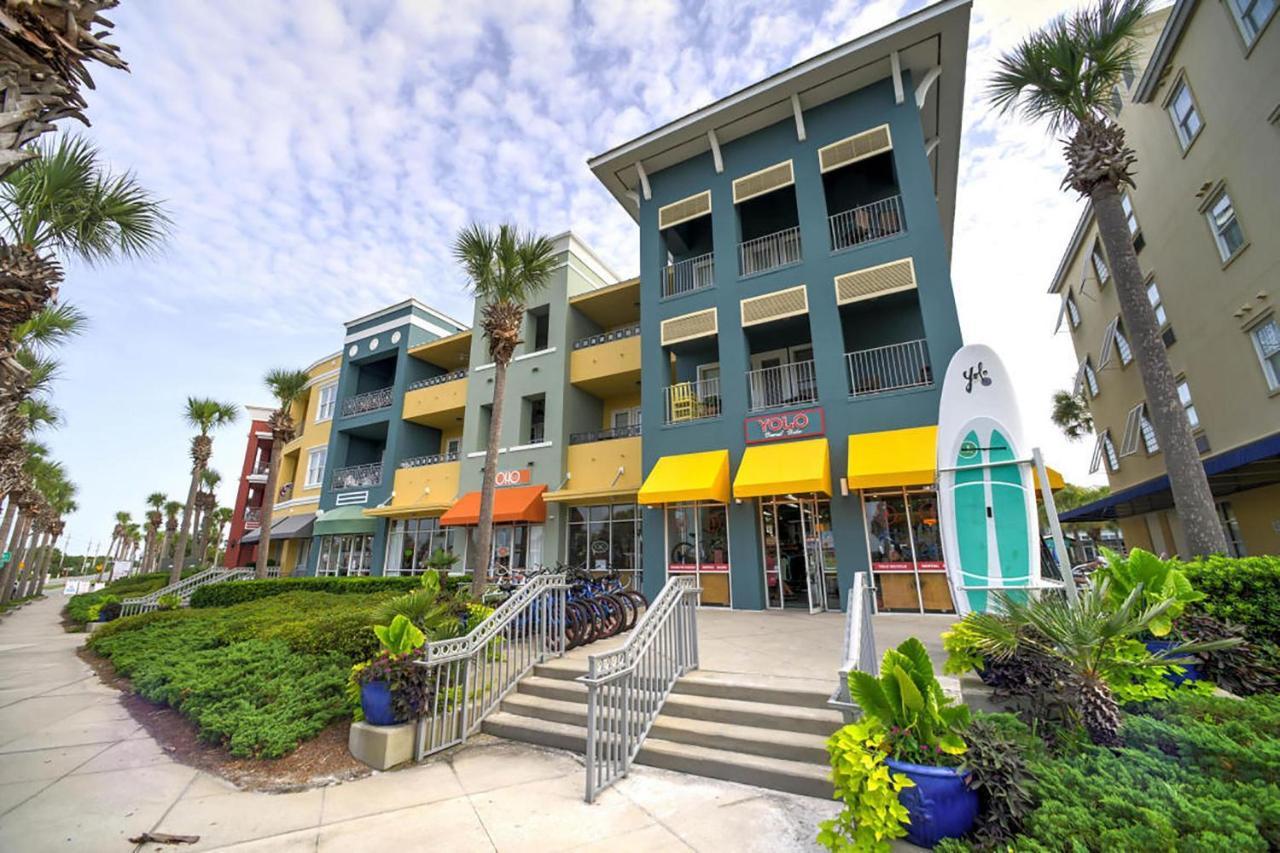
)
(607, 337)
(692, 401)
(369, 401)
(792, 384)
(769, 252)
(470, 675)
(358, 476)
(867, 222)
(631, 431)
(859, 644)
(182, 589)
(689, 275)
(460, 373)
(252, 514)
(627, 686)
(889, 368)
(432, 459)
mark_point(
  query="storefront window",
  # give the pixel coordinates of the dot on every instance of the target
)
(516, 547)
(348, 555)
(698, 544)
(799, 549)
(604, 538)
(412, 542)
(906, 552)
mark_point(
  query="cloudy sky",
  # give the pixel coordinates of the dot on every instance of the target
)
(318, 156)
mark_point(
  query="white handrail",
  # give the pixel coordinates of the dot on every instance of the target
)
(470, 675)
(859, 644)
(626, 687)
(183, 589)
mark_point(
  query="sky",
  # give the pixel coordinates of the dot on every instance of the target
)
(317, 158)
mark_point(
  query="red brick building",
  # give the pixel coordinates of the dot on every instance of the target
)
(252, 491)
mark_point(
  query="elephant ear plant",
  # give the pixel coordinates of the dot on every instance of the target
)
(397, 666)
(1158, 580)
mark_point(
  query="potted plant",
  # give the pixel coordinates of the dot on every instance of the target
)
(393, 668)
(915, 729)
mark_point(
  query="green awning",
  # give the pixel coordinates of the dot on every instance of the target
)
(344, 520)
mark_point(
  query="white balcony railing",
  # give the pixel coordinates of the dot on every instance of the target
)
(783, 385)
(889, 368)
(358, 476)
(692, 401)
(770, 251)
(369, 401)
(689, 275)
(865, 223)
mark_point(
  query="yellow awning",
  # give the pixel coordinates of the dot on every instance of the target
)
(688, 477)
(902, 457)
(790, 467)
(580, 495)
(409, 510)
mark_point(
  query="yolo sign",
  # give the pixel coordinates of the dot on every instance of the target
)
(804, 422)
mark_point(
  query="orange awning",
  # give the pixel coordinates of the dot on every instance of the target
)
(518, 503)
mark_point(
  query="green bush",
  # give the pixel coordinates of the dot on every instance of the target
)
(1244, 590)
(238, 592)
(129, 587)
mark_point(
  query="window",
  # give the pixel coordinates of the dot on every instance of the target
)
(451, 448)
(1153, 296)
(328, 399)
(1089, 376)
(1251, 16)
(316, 459)
(1073, 311)
(345, 556)
(516, 547)
(603, 538)
(1225, 226)
(1266, 340)
(1131, 219)
(1184, 395)
(625, 418)
(1117, 102)
(1231, 529)
(1138, 427)
(411, 542)
(1185, 115)
(1099, 263)
(1122, 346)
(1149, 441)
(537, 420)
(1127, 73)
(541, 322)
(698, 544)
(1105, 449)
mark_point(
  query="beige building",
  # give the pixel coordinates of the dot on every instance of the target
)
(1202, 111)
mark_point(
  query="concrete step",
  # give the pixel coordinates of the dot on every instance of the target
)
(788, 718)
(532, 730)
(553, 688)
(756, 688)
(565, 669)
(542, 708)
(753, 740)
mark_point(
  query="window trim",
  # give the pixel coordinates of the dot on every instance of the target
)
(1217, 193)
(1181, 81)
(1238, 20)
(306, 477)
(1158, 305)
(1098, 261)
(320, 402)
(1270, 374)
(1178, 382)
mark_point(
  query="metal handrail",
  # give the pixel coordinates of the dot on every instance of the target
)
(451, 376)
(607, 337)
(866, 223)
(689, 275)
(629, 431)
(692, 401)
(369, 401)
(431, 459)
(859, 644)
(627, 687)
(770, 251)
(183, 589)
(889, 368)
(365, 475)
(790, 384)
(470, 675)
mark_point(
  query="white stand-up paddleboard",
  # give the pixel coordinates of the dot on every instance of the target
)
(986, 485)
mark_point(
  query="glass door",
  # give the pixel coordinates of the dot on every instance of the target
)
(813, 559)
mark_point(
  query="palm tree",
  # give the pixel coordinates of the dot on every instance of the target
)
(287, 386)
(1071, 415)
(47, 44)
(221, 518)
(1064, 74)
(123, 520)
(155, 518)
(171, 510)
(205, 415)
(505, 269)
(206, 503)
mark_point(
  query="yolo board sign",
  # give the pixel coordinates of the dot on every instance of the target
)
(797, 424)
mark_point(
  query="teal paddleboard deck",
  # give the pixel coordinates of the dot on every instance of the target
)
(1009, 515)
(971, 519)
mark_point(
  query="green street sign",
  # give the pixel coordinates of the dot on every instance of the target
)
(4, 558)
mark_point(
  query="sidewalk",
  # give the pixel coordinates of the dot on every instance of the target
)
(77, 773)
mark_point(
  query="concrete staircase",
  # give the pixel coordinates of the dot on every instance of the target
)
(769, 732)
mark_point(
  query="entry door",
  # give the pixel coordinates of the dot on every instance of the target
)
(813, 562)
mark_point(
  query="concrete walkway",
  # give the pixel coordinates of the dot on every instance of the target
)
(77, 773)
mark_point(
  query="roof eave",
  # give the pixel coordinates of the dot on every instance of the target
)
(1163, 51)
(1073, 247)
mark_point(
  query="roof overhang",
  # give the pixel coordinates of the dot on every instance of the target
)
(1073, 248)
(1163, 52)
(936, 37)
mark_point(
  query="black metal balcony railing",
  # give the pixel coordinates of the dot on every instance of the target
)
(607, 337)
(631, 431)
(866, 223)
(432, 459)
(369, 401)
(358, 476)
(430, 381)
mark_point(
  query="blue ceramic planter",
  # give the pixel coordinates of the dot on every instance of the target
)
(375, 701)
(1192, 672)
(941, 805)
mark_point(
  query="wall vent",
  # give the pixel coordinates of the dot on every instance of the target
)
(860, 146)
(775, 306)
(351, 498)
(684, 209)
(686, 327)
(875, 281)
(763, 181)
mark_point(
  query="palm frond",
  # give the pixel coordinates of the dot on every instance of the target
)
(286, 385)
(206, 414)
(51, 326)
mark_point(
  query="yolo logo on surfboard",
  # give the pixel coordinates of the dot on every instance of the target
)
(986, 493)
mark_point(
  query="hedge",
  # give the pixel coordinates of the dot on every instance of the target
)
(127, 587)
(1243, 590)
(238, 592)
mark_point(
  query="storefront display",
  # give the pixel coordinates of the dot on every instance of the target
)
(516, 548)
(606, 537)
(345, 555)
(697, 539)
(411, 543)
(799, 553)
(906, 551)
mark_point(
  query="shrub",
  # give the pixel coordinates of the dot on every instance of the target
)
(238, 592)
(170, 601)
(997, 761)
(1244, 591)
(135, 585)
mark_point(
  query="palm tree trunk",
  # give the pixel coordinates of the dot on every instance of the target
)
(484, 529)
(180, 549)
(1191, 494)
(268, 499)
(19, 554)
(39, 555)
(11, 567)
(6, 526)
(44, 566)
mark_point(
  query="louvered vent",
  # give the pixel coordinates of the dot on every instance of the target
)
(763, 181)
(854, 148)
(875, 281)
(699, 324)
(774, 306)
(684, 209)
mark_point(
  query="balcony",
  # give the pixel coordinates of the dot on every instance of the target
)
(889, 368)
(432, 381)
(369, 401)
(595, 435)
(794, 384)
(689, 275)
(866, 223)
(607, 337)
(432, 459)
(363, 476)
(603, 467)
(252, 516)
(259, 472)
(769, 252)
(438, 402)
(607, 364)
(426, 486)
(692, 401)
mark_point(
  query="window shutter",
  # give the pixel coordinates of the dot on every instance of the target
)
(775, 306)
(875, 281)
(684, 209)
(763, 181)
(851, 149)
(686, 327)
